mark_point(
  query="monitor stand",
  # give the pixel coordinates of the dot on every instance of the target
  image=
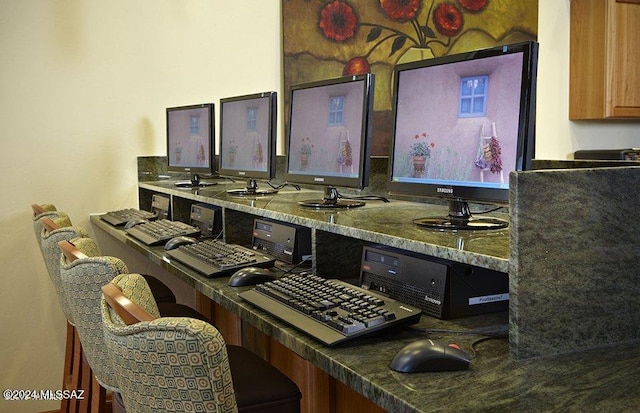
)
(195, 182)
(331, 200)
(252, 190)
(460, 219)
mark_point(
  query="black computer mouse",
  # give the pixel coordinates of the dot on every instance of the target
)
(176, 242)
(250, 276)
(429, 355)
(134, 222)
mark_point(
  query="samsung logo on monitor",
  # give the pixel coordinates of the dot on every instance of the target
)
(444, 190)
(318, 179)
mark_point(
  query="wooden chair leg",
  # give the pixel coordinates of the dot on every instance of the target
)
(99, 402)
(68, 366)
(78, 375)
(86, 380)
(75, 378)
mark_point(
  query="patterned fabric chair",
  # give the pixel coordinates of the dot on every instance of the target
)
(49, 236)
(181, 364)
(82, 277)
(161, 292)
(44, 210)
(82, 273)
(53, 232)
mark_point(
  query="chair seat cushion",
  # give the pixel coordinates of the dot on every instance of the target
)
(180, 310)
(161, 293)
(260, 387)
(117, 404)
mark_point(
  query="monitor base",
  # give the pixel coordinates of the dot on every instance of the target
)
(195, 182)
(189, 184)
(460, 219)
(331, 199)
(248, 192)
(324, 204)
(471, 224)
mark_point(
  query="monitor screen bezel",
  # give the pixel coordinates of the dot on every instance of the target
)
(270, 155)
(526, 125)
(211, 167)
(362, 180)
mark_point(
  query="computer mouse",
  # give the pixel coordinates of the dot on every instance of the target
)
(430, 355)
(250, 276)
(176, 242)
(134, 222)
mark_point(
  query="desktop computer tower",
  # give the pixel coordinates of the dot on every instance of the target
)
(161, 206)
(206, 217)
(441, 289)
(286, 242)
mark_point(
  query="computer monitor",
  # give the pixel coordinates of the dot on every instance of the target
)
(248, 140)
(462, 123)
(329, 133)
(190, 142)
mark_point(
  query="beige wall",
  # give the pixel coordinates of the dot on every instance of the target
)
(83, 87)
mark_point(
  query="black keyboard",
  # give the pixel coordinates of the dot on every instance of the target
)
(122, 216)
(330, 311)
(214, 258)
(160, 231)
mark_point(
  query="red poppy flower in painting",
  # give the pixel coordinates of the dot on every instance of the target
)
(338, 21)
(400, 10)
(356, 66)
(448, 19)
(472, 5)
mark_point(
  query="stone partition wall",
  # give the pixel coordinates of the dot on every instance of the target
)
(574, 255)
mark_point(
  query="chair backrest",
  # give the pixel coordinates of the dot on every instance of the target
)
(49, 240)
(48, 211)
(82, 275)
(167, 364)
(39, 209)
(127, 310)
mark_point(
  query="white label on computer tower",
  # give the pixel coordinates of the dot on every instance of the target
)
(488, 299)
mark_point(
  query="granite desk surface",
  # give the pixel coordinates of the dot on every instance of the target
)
(604, 379)
(379, 222)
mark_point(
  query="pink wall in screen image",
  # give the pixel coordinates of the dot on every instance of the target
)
(309, 124)
(240, 148)
(428, 103)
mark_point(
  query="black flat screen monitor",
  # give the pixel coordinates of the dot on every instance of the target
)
(190, 142)
(462, 123)
(329, 137)
(248, 140)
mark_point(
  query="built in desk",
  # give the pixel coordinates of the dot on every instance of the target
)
(506, 375)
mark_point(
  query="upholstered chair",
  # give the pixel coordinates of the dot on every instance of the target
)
(82, 273)
(44, 210)
(161, 292)
(54, 230)
(172, 364)
(50, 235)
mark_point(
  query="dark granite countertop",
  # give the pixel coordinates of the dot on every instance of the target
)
(602, 379)
(389, 224)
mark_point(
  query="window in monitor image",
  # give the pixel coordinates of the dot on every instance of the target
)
(329, 137)
(190, 142)
(462, 123)
(248, 140)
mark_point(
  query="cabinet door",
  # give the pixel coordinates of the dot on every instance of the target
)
(604, 77)
(623, 99)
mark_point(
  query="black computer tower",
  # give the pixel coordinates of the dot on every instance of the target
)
(440, 288)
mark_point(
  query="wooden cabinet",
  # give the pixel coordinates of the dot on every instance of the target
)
(605, 59)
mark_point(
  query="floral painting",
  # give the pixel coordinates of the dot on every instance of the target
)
(327, 39)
